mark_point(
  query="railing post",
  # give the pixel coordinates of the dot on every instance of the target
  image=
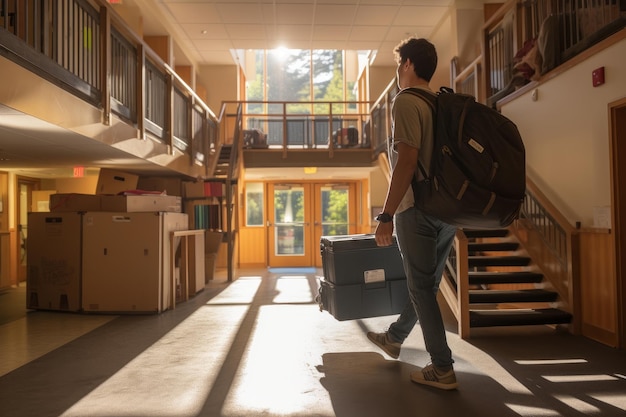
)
(331, 142)
(105, 63)
(285, 138)
(141, 88)
(462, 284)
(169, 112)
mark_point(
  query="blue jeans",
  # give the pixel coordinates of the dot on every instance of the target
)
(424, 244)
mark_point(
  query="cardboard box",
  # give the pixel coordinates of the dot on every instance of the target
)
(193, 189)
(112, 182)
(141, 203)
(54, 254)
(127, 261)
(356, 301)
(75, 202)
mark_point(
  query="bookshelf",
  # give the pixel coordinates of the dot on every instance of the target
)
(209, 205)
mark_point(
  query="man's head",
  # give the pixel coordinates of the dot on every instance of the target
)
(419, 52)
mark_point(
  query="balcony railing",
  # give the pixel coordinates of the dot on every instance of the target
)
(82, 46)
(526, 39)
(297, 125)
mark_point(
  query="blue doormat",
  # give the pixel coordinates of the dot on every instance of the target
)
(302, 270)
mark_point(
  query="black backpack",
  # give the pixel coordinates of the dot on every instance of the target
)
(477, 175)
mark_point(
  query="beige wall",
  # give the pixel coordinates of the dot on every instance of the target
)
(566, 134)
(469, 22)
(380, 78)
(220, 82)
(378, 188)
(446, 49)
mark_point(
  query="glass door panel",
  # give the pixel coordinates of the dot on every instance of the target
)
(335, 212)
(289, 225)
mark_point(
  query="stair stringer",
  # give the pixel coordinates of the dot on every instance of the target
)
(559, 269)
(459, 293)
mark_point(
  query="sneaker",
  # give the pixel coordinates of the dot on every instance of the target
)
(382, 341)
(430, 375)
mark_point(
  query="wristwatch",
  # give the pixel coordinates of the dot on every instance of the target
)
(384, 217)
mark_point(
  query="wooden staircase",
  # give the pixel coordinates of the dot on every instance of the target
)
(503, 286)
(223, 161)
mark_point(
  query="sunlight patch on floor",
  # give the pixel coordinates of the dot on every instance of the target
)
(526, 411)
(578, 404)
(483, 361)
(241, 291)
(550, 361)
(579, 378)
(617, 400)
(293, 289)
(179, 369)
(278, 374)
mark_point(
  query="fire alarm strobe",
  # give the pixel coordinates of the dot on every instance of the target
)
(597, 76)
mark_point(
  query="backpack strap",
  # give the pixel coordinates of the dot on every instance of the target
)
(431, 99)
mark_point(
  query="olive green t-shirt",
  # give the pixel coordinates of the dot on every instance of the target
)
(411, 123)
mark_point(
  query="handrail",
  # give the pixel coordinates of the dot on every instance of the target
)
(551, 241)
(544, 201)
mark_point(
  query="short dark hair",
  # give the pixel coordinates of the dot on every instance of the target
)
(422, 54)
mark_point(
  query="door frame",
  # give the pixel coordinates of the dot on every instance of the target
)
(312, 220)
(285, 260)
(617, 132)
(32, 184)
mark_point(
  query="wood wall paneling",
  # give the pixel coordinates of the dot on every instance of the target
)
(598, 287)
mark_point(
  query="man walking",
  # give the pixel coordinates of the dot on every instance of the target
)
(424, 241)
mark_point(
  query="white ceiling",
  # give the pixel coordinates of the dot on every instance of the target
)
(208, 30)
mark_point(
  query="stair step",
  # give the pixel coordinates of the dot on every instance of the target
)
(512, 296)
(518, 317)
(475, 261)
(225, 151)
(475, 233)
(514, 277)
(492, 246)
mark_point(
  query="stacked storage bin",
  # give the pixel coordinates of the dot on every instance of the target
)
(361, 279)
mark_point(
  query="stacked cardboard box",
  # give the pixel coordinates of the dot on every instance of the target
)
(54, 254)
(104, 252)
(116, 192)
(126, 261)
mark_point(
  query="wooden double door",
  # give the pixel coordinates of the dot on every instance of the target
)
(300, 213)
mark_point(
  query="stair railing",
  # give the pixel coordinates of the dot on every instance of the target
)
(549, 239)
(235, 166)
(553, 244)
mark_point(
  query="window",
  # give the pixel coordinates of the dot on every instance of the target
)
(254, 204)
(335, 210)
(301, 75)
